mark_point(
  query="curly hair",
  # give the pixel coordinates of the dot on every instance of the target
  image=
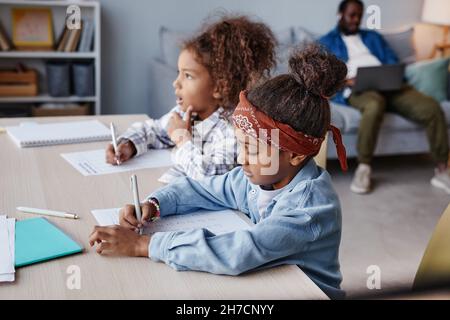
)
(237, 53)
(300, 98)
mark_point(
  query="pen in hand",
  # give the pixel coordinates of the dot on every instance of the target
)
(114, 142)
(137, 204)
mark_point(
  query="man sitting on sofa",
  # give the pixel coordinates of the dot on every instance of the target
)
(363, 48)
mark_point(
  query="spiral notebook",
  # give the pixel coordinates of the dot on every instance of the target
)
(38, 135)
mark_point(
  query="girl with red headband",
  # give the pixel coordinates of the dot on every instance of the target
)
(280, 126)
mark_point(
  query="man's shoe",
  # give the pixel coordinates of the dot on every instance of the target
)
(361, 183)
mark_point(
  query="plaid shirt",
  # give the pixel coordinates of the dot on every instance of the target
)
(212, 150)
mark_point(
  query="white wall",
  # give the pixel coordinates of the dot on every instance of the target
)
(130, 34)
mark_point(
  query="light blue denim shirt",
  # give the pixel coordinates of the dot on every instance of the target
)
(302, 226)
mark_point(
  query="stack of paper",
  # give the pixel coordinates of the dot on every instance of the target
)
(7, 229)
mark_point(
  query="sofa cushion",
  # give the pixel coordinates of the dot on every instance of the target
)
(445, 105)
(348, 119)
(304, 36)
(337, 118)
(299, 38)
(402, 44)
(285, 39)
(429, 77)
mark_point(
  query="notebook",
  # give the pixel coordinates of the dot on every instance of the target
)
(38, 240)
(37, 135)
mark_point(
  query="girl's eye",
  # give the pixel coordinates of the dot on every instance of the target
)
(188, 76)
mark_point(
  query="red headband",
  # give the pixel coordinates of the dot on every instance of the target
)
(255, 123)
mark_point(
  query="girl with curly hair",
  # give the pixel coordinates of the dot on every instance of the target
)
(226, 57)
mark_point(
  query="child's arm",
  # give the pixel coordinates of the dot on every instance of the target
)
(286, 232)
(149, 134)
(186, 195)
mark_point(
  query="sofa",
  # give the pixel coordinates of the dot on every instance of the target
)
(397, 135)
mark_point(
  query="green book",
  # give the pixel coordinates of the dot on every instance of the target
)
(38, 240)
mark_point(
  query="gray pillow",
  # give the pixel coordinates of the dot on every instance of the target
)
(402, 44)
(300, 37)
(285, 40)
(285, 37)
(170, 43)
(304, 36)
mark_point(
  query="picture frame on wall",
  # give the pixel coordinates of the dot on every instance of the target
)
(32, 29)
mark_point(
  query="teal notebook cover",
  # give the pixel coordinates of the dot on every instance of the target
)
(39, 240)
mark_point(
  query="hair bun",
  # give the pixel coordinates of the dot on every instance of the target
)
(317, 70)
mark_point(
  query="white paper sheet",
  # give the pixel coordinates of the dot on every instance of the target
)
(92, 163)
(7, 258)
(218, 222)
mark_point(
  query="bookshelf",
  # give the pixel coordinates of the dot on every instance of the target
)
(38, 59)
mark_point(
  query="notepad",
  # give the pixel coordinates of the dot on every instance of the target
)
(218, 222)
(38, 240)
(39, 135)
(93, 163)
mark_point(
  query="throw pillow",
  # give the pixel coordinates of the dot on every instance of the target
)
(429, 77)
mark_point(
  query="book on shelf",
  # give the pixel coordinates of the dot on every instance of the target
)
(87, 36)
(69, 40)
(5, 42)
(73, 40)
(62, 41)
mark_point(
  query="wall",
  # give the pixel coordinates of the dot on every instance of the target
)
(130, 35)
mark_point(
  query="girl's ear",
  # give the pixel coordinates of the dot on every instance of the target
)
(297, 160)
(216, 94)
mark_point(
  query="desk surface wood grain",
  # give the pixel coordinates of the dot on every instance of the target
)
(41, 178)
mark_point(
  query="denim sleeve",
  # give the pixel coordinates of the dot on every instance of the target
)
(186, 195)
(283, 234)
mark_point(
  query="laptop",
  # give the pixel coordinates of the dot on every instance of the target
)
(380, 78)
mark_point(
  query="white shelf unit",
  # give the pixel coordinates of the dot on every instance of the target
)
(46, 55)
(37, 59)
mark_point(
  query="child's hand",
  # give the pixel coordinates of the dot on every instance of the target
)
(350, 82)
(179, 130)
(128, 216)
(125, 151)
(118, 240)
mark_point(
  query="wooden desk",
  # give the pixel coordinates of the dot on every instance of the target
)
(41, 178)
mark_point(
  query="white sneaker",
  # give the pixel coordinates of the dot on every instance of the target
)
(361, 181)
(441, 180)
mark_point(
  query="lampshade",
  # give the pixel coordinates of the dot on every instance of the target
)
(436, 12)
